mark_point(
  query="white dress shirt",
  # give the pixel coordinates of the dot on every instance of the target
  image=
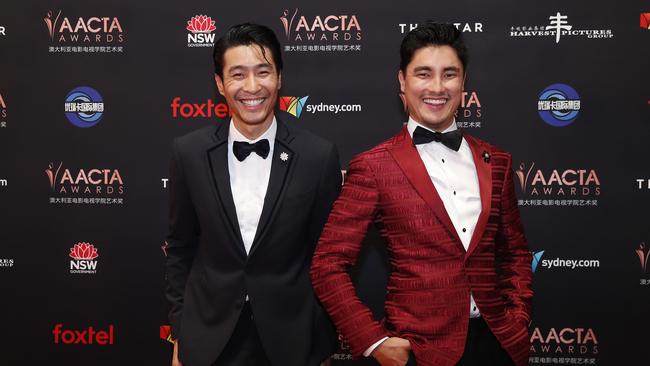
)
(249, 180)
(454, 176)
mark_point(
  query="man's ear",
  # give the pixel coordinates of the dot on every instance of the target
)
(219, 82)
(400, 77)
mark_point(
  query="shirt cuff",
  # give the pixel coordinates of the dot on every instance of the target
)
(375, 345)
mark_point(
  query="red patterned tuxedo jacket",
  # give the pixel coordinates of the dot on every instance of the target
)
(431, 274)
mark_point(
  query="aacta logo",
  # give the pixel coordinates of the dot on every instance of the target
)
(568, 182)
(320, 28)
(643, 255)
(199, 110)
(566, 341)
(86, 181)
(293, 105)
(3, 112)
(86, 30)
(86, 336)
(83, 255)
(470, 105)
(201, 28)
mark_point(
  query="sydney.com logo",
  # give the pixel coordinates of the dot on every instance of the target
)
(296, 105)
(562, 263)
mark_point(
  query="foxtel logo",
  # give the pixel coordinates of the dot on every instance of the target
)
(86, 336)
(295, 106)
(199, 110)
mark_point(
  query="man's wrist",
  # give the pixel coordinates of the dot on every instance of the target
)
(374, 346)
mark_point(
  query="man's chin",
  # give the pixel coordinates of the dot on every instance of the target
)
(254, 119)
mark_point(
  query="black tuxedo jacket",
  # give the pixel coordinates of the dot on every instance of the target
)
(208, 272)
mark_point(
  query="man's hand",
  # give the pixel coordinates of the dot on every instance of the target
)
(392, 352)
(175, 361)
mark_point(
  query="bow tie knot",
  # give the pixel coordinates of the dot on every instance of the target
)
(451, 139)
(242, 149)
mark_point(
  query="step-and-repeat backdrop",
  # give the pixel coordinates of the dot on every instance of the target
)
(92, 94)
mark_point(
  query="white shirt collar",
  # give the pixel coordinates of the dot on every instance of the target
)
(412, 125)
(235, 135)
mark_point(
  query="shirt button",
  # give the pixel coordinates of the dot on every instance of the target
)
(443, 160)
(474, 308)
(464, 230)
(454, 193)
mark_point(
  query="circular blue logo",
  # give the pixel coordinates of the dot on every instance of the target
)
(559, 105)
(84, 107)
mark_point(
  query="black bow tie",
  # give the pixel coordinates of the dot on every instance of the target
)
(450, 139)
(242, 149)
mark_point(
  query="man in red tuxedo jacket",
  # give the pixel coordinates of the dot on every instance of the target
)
(459, 291)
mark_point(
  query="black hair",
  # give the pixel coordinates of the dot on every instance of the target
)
(431, 33)
(247, 34)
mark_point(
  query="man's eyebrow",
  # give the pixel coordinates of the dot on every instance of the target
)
(422, 68)
(237, 67)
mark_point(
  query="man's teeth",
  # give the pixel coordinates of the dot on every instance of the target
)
(435, 101)
(252, 102)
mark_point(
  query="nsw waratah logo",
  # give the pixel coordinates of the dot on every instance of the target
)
(293, 105)
(84, 107)
(558, 105)
(83, 259)
(200, 28)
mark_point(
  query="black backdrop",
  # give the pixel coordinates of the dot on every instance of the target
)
(140, 59)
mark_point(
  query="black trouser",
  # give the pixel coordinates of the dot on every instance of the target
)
(244, 347)
(481, 348)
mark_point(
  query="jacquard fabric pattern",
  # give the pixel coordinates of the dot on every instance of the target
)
(431, 274)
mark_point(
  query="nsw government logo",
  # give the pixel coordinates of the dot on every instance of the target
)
(84, 107)
(558, 105)
(83, 259)
(200, 28)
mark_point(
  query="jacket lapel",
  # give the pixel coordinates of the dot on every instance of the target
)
(217, 155)
(408, 158)
(484, 172)
(281, 166)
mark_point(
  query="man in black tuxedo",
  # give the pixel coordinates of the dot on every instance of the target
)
(249, 199)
